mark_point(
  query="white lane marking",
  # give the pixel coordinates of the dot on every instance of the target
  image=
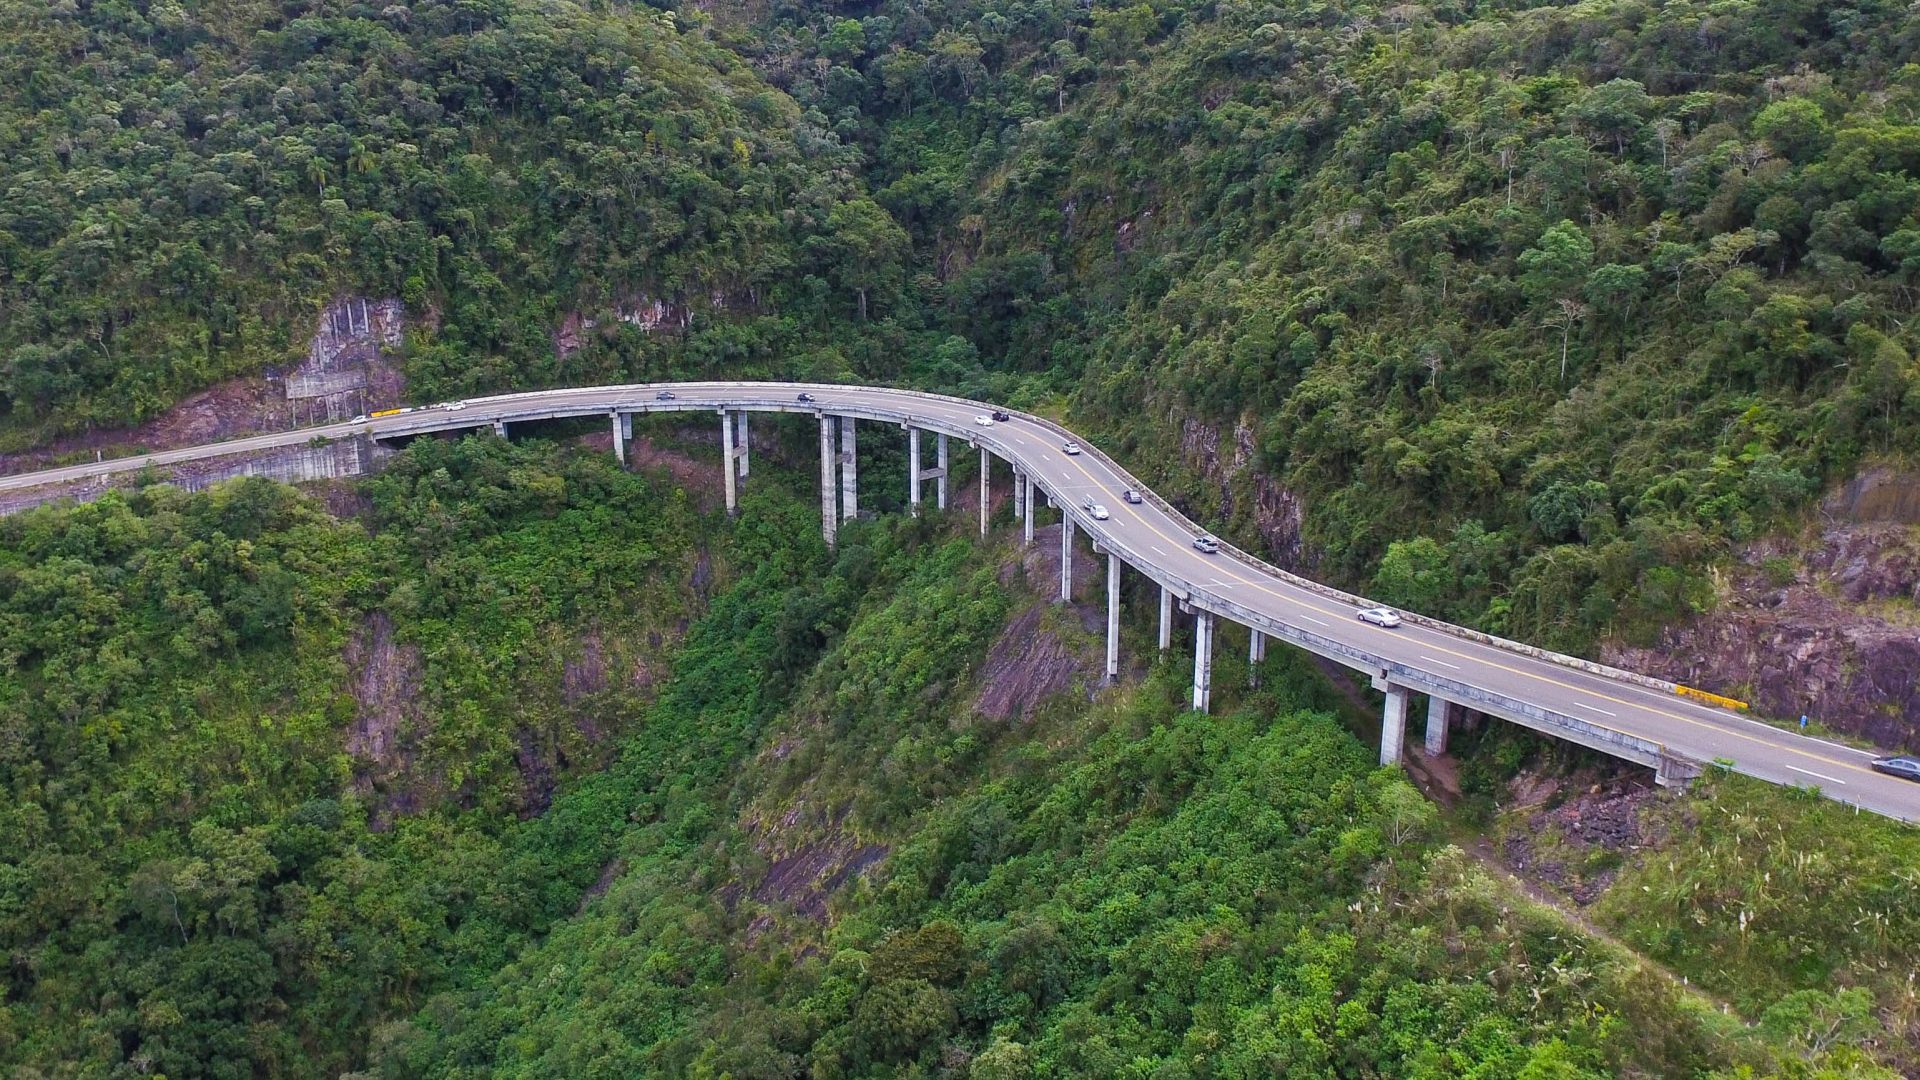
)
(1821, 776)
(1309, 618)
(1591, 708)
(1442, 663)
(1157, 551)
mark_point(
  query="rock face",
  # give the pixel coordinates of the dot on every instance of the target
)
(1831, 630)
(1247, 495)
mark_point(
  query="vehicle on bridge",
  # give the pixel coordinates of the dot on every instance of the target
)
(1094, 510)
(1207, 544)
(804, 397)
(389, 412)
(1380, 616)
(1071, 448)
(1901, 765)
(665, 395)
(1131, 496)
(983, 420)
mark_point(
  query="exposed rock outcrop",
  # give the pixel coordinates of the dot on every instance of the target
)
(1247, 495)
(1831, 631)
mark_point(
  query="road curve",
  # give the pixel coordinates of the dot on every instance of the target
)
(1156, 540)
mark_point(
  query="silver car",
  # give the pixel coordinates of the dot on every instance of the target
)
(1381, 616)
(1901, 765)
(1206, 545)
(1071, 448)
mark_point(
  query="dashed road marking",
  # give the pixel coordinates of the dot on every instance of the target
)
(1818, 776)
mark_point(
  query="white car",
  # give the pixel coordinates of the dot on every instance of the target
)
(1099, 512)
(1072, 448)
(1206, 545)
(1380, 616)
(983, 420)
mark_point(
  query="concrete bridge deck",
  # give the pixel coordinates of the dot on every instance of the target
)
(1623, 713)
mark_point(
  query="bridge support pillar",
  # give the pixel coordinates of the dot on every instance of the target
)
(730, 462)
(741, 445)
(1439, 719)
(500, 429)
(1393, 725)
(1202, 660)
(1019, 494)
(1256, 655)
(913, 471)
(620, 432)
(849, 471)
(986, 474)
(940, 462)
(1166, 618)
(1066, 557)
(829, 510)
(1026, 495)
(1113, 616)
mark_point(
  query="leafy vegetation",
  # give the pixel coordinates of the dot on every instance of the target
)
(1538, 307)
(201, 878)
(186, 185)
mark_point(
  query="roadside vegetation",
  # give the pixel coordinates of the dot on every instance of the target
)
(801, 852)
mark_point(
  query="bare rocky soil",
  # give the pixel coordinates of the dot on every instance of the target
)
(1828, 626)
(386, 726)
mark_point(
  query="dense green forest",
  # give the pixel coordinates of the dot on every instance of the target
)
(199, 881)
(508, 762)
(1537, 308)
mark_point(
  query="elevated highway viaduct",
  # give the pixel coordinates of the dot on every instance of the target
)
(1622, 713)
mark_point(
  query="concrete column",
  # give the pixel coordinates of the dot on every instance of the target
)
(1113, 616)
(1256, 652)
(626, 426)
(1439, 719)
(1202, 660)
(741, 446)
(500, 429)
(849, 471)
(619, 438)
(986, 475)
(913, 470)
(731, 463)
(1393, 725)
(828, 509)
(1026, 535)
(940, 461)
(1066, 557)
(1166, 618)
(1019, 494)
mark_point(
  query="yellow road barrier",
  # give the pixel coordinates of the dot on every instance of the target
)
(1711, 699)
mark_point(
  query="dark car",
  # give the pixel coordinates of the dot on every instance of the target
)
(664, 395)
(1001, 417)
(804, 397)
(1902, 766)
(1131, 496)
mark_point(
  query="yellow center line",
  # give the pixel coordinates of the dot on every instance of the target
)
(1231, 570)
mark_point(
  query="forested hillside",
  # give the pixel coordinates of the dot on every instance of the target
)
(1535, 309)
(809, 847)
(1537, 306)
(182, 186)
